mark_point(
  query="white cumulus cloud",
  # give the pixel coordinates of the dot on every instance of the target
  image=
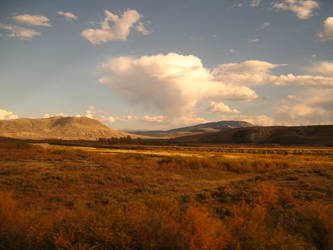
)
(118, 31)
(327, 33)
(172, 84)
(6, 115)
(34, 20)
(68, 15)
(19, 32)
(302, 8)
(220, 107)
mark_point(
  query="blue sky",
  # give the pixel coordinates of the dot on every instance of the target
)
(163, 64)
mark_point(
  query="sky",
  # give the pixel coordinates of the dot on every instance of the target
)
(153, 64)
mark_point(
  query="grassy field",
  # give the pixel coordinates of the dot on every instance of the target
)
(230, 197)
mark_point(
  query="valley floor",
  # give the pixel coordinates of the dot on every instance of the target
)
(231, 197)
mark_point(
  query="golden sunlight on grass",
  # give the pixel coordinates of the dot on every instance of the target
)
(255, 198)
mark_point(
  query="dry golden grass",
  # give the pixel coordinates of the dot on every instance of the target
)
(64, 198)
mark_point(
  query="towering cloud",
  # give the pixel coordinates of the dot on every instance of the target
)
(118, 31)
(172, 84)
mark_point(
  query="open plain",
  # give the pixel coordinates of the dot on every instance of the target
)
(209, 197)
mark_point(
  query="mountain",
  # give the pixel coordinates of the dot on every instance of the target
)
(193, 130)
(67, 128)
(321, 135)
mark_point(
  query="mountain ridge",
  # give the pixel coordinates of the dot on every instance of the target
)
(312, 135)
(191, 130)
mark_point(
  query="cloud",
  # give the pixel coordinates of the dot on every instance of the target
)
(322, 68)
(90, 112)
(111, 119)
(302, 8)
(255, 72)
(311, 106)
(171, 84)
(34, 20)
(259, 120)
(6, 115)
(118, 31)
(142, 29)
(251, 72)
(303, 80)
(220, 107)
(155, 119)
(19, 32)
(265, 25)
(255, 3)
(292, 97)
(327, 33)
(68, 15)
(255, 40)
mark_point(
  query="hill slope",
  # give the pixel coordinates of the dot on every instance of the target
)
(302, 135)
(196, 129)
(67, 128)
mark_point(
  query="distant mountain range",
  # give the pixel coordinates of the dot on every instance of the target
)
(321, 135)
(66, 128)
(222, 132)
(193, 130)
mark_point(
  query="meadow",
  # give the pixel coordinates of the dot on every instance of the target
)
(165, 197)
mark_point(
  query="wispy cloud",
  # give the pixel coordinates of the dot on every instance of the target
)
(118, 31)
(19, 32)
(34, 20)
(302, 8)
(68, 15)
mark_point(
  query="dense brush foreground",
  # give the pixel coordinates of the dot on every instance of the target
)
(65, 198)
